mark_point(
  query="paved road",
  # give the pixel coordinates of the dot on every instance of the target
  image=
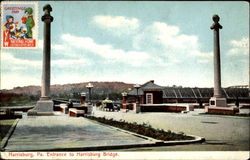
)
(222, 133)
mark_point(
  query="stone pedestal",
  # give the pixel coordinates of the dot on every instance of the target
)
(221, 110)
(217, 102)
(90, 109)
(83, 99)
(137, 108)
(124, 100)
(43, 107)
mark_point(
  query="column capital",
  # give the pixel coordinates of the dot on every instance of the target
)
(47, 18)
(216, 25)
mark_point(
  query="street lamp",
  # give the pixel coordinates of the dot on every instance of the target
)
(90, 86)
(137, 86)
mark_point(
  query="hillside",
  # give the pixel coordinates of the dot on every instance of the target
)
(99, 88)
(28, 95)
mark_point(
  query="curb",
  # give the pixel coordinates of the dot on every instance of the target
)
(7, 136)
(157, 142)
(196, 140)
(100, 148)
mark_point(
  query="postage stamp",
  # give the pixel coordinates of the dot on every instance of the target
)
(19, 24)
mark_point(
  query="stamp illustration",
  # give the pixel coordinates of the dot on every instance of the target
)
(19, 25)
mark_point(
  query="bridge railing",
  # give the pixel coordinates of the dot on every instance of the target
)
(204, 92)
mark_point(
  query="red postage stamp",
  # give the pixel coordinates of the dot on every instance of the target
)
(19, 24)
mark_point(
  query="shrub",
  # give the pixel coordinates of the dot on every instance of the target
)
(143, 129)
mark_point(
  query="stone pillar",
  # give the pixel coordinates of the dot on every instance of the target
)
(217, 71)
(45, 105)
(124, 100)
(217, 99)
(83, 99)
(47, 19)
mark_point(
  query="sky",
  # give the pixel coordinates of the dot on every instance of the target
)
(134, 42)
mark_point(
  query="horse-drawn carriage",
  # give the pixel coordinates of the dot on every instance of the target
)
(108, 105)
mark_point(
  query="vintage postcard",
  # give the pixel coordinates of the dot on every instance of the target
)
(124, 80)
(19, 25)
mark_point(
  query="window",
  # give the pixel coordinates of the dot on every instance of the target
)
(149, 98)
(212, 103)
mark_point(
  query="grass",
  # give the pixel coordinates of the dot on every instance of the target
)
(21, 103)
(143, 129)
(5, 125)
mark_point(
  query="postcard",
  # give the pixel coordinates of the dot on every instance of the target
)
(124, 80)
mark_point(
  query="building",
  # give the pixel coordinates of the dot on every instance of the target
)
(151, 93)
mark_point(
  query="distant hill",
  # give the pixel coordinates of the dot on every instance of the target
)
(99, 88)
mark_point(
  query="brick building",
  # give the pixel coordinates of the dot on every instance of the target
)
(155, 95)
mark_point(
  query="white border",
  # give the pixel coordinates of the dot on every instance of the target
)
(235, 155)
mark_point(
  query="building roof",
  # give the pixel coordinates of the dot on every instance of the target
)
(133, 92)
(151, 86)
(146, 86)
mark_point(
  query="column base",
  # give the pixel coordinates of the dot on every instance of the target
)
(89, 109)
(219, 106)
(44, 98)
(43, 107)
(217, 102)
(221, 110)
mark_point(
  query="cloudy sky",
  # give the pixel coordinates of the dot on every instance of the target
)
(169, 42)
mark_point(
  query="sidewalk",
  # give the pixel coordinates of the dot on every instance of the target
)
(61, 132)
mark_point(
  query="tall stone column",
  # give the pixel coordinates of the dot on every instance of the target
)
(47, 19)
(45, 105)
(217, 69)
(217, 99)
